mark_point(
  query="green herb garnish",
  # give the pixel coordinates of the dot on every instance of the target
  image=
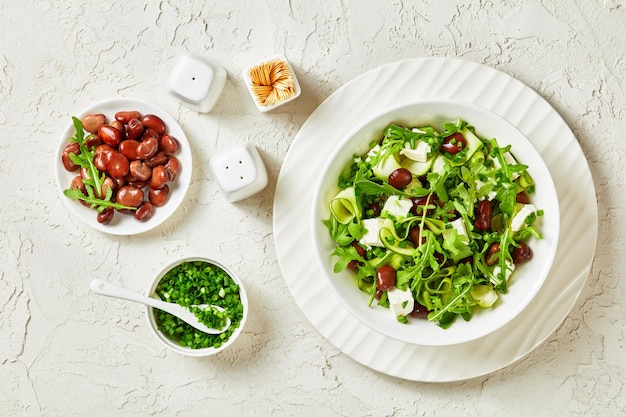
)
(197, 283)
(95, 178)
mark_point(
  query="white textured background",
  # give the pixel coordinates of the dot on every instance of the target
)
(67, 352)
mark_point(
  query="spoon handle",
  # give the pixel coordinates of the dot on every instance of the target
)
(105, 288)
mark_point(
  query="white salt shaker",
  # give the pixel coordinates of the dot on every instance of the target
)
(197, 82)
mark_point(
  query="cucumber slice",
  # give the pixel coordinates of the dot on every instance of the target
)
(391, 240)
(385, 167)
(473, 144)
(417, 168)
(484, 295)
(344, 207)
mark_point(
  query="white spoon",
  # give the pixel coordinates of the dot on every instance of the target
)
(105, 288)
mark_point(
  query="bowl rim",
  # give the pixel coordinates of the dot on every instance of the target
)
(388, 114)
(170, 344)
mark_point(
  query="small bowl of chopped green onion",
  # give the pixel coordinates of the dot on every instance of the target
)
(195, 281)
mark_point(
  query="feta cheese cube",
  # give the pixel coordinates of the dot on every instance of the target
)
(439, 165)
(519, 219)
(510, 267)
(510, 160)
(371, 238)
(372, 153)
(397, 206)
(480, 184)
(400, 301)
(459, 226)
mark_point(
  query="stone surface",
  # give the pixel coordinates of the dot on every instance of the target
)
(67, 352)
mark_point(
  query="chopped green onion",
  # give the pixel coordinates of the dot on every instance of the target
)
(197, 283)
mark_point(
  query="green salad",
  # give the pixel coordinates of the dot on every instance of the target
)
(433, 222)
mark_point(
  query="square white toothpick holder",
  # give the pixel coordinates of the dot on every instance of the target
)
(239, 172)
(197, 82)
(277, 79)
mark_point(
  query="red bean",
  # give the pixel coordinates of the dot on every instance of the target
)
(144, 212)
(168, 144)
(92, 121)
(70, 148)
(173, 167)
(147, 148)
(454, 143)
(106, 184)
(105, 216)
(353, 264)
(400, 178)
(129, 149)
(140, 170)
(484, 213)
(359, 248)
(421, 202)
(385, 278)
(152, 121)
(84, 172)
(105, 149)
(77, 184)
(419, 310)
(119, 126)
(492, 254)
(159, 196)
(137, 183)
(415, 234)
(158, 159)
(134, 129)
(118, 165)
(522, 254)
(150, 133)
(119, 182)
(109, 135)
(159, 178)
(375, 209)
(102, 157)
(92, 141)
(125, 116)
(522, 197)
(100, 160)
(130, 196)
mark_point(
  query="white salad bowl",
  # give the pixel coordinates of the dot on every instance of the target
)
(528, 277)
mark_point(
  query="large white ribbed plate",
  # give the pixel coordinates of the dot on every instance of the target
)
(404, 82)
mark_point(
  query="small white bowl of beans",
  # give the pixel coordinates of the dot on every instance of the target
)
(123, 166)
(195, 281)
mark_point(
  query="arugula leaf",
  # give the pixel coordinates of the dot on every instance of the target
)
(339, 232)
(95, 179)
(369, 187)
(94, 202)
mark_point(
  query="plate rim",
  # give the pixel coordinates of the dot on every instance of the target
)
(406, 368)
